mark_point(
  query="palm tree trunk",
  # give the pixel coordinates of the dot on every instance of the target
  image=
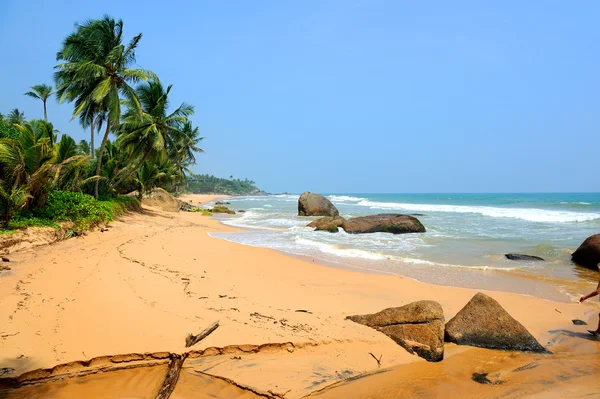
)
(136, 167)
(92, 139)
(45, 113)
(6, 220)
(99, 164)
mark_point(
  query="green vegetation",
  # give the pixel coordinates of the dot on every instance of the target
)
(46, 177)
(222, 209)
(200, 184)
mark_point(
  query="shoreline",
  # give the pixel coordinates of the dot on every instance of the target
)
(567, 294)
(160, 276)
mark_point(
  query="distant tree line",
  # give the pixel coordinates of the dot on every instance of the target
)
(201, 184)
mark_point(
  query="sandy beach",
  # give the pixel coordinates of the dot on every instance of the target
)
(137, 289)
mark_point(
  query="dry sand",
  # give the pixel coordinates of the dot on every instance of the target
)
(141, 286)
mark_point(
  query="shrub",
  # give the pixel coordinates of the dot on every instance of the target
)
(83, 209)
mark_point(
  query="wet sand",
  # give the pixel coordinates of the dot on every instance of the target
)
(152, 278)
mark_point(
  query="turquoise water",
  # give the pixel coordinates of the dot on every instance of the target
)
(466, 239)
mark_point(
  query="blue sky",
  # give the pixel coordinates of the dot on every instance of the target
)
(355, 96)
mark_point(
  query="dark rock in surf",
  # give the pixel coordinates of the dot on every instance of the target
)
(418, 327)
(383, 223)
(311, 204)
(524, 257)
(330, 224)
(484, 323)
(588, 253)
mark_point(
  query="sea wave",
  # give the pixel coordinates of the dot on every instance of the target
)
(529, 214)
(333, 249)
(344, 198)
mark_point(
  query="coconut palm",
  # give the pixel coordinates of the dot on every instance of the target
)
(15, 117)
(33, 161)
(41, 92)
(147, 127)
(83, 147)
(95, 72)
(12, 198)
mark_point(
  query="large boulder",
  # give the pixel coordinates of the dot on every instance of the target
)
(383, 223)
(159, 198)
(327, 223)
(311, 204)
(484, 323)
(588, 253)
(418, 327)
(525, 258)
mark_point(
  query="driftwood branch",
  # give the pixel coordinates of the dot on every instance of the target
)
(192, 339)
(172, 376)
(377, 360)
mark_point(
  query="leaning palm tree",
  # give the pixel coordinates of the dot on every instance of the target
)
(41, 92)
(95, 72)
(147, 127)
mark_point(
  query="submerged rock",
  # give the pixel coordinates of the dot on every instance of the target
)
(383, 223)
(484, 323)
(418, 327)
(524, 257)
(588, 253)
(311, 204)
(327, 223)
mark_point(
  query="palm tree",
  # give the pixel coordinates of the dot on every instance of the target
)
(146, 178)
(41, 92)
(147, 128)
(182, 151)
(16, 117)
(30, 164)
(95, 73)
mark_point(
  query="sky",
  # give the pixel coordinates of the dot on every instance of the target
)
(354, 96)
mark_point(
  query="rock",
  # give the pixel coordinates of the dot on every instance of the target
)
(383, 223)
(4, 268)
(4, 259)
(161, 199)
(578, 322)
(184, 206)
(241, 211)
(311, 204)
(327, 223)
(418, 327)
(524, 257)
(588, 253)
(484, 323)
(222, 203)
(222, 209)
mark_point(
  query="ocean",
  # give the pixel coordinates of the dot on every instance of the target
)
(466, 239)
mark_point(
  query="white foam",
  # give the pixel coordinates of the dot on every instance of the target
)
(339, 251)
(529, 214)
(344, 198)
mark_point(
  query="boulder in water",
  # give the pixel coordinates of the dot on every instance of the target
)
(484, 323)
(311, 204)
(330, 224)
(383, 223)
(588, 253)
(524, 257)
(418, 327)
